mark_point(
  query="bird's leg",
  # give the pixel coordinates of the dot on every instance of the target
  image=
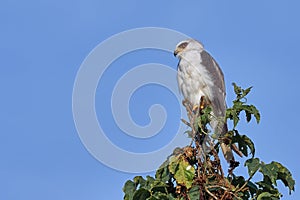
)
(203, 103)
(197, 110)
(199, 107)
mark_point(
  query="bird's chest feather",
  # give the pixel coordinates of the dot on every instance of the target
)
(193, 79)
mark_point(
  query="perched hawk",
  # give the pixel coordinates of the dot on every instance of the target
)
(200, 75)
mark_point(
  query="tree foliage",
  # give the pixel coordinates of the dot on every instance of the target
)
(190, 173)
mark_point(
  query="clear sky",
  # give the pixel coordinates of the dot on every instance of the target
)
(44, 43)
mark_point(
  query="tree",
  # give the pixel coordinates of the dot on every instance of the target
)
(191, 174)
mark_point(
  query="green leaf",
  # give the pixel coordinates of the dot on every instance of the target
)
(285, 176)
(269, 170)
(198, 123)
(276, 171)
(232, 114)
(153, 198)
(236, 120)
(252, 188)
(249, 143)
(239, 105)
(194, 193)
(149, 180)
(243, 143)
(163, 172)
(253, 165)
(237, 89)
(248, 116)
(159, 186)
(173, 165)
(238, 181)
(204, 118)
(267, 196)
(139, 180)
(240, 93)
(160, 196)
(246, 91)
(129, 188)
(251, 110)
(266, 186)
(256, 113)
(182, 170)
(141, 194)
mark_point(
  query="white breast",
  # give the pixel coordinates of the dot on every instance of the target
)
(193, 79)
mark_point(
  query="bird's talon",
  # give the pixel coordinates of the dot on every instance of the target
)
(195, 108)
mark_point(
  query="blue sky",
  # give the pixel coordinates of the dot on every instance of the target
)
(43, 44)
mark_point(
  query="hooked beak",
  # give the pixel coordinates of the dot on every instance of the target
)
(176, 52)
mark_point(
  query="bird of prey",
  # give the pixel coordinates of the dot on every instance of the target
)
(198, 76)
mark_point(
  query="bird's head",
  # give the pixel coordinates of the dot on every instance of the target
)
(187, 45)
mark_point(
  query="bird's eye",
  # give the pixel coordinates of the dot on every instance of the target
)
(183, 45)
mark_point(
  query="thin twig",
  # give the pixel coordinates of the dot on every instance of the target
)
(211, 194)
(186, 122)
